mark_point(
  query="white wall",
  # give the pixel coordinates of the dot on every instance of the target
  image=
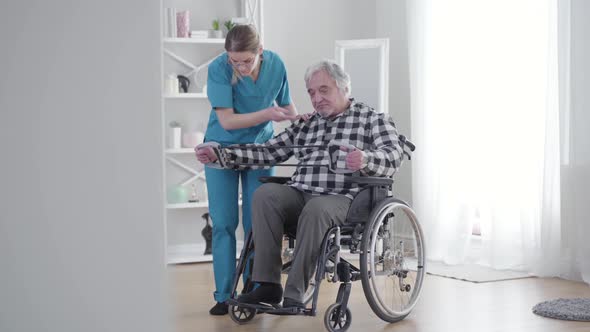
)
(391, 23)
(575, 182)
(303, 32)
(580, 71)
(81, 232)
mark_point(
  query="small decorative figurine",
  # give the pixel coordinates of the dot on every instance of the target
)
(184, 83)
(193, 198)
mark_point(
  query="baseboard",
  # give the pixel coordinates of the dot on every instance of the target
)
(192, 253)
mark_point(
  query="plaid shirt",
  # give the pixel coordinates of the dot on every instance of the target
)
(359, 125)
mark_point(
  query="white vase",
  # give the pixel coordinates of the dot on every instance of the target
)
(171, 84)
(175, 138)
(200, 137)
(216, 33)
(192, 139)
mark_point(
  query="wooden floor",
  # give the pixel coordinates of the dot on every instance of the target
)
(445, 305)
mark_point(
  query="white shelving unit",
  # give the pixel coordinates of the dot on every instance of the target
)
(180, 151)
(190, 95)
(194, 40)
(187, 205)
(190, 57)
(195, 205)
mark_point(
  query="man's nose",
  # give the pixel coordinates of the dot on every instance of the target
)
(316, 98)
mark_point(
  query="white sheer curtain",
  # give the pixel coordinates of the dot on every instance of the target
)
(485, 119)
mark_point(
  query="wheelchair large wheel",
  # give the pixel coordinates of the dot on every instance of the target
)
(392, 260)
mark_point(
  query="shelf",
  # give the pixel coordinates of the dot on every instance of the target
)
(180, 151)
(192, 205)
(187, 96)
(194, 40)
(187, 205)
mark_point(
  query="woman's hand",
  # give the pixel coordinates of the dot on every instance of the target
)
(305, 116)
(205, 155)
(278, 114)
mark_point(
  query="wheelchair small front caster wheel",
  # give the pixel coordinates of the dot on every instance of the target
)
(336, 320)
(241, 315)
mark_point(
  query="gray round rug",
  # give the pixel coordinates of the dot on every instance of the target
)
(567, 309)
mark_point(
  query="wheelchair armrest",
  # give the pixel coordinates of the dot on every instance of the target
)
(370, 181)
(274, 179)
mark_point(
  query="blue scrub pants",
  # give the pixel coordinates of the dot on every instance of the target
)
(222, 187)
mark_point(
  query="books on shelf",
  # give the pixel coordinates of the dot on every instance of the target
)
(199, 34)
(177, 25)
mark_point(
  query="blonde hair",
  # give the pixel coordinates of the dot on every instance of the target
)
(241, 38)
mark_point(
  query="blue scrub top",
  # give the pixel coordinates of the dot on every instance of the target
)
(245, 96)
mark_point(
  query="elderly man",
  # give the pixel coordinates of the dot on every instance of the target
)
(315, 198)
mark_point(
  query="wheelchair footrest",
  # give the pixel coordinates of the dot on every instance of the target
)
(287, 311)
(274, 309)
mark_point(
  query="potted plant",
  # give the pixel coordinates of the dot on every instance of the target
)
(216, 32)
(229, 25)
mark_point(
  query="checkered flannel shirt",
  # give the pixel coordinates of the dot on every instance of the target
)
(359, 125)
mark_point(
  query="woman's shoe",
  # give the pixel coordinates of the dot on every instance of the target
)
(219, 309)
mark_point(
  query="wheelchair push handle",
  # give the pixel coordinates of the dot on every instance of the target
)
(406, 142)
(216, 147)
(407, 145)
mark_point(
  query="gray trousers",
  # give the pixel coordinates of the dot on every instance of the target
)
(276, 207)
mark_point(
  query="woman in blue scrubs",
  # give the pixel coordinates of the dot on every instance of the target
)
(248, 89)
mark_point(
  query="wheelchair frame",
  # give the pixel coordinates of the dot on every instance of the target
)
(362, 234)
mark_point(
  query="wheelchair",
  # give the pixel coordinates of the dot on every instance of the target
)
(383, 230)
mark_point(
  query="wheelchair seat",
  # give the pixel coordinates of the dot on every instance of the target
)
(374, 190)
(274, 179)
(364, 202)
(383, 230)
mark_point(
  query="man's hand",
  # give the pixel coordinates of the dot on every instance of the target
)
(355, 159)
(205, 155)
(278, 114)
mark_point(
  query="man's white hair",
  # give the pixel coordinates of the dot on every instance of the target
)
(334, 70)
